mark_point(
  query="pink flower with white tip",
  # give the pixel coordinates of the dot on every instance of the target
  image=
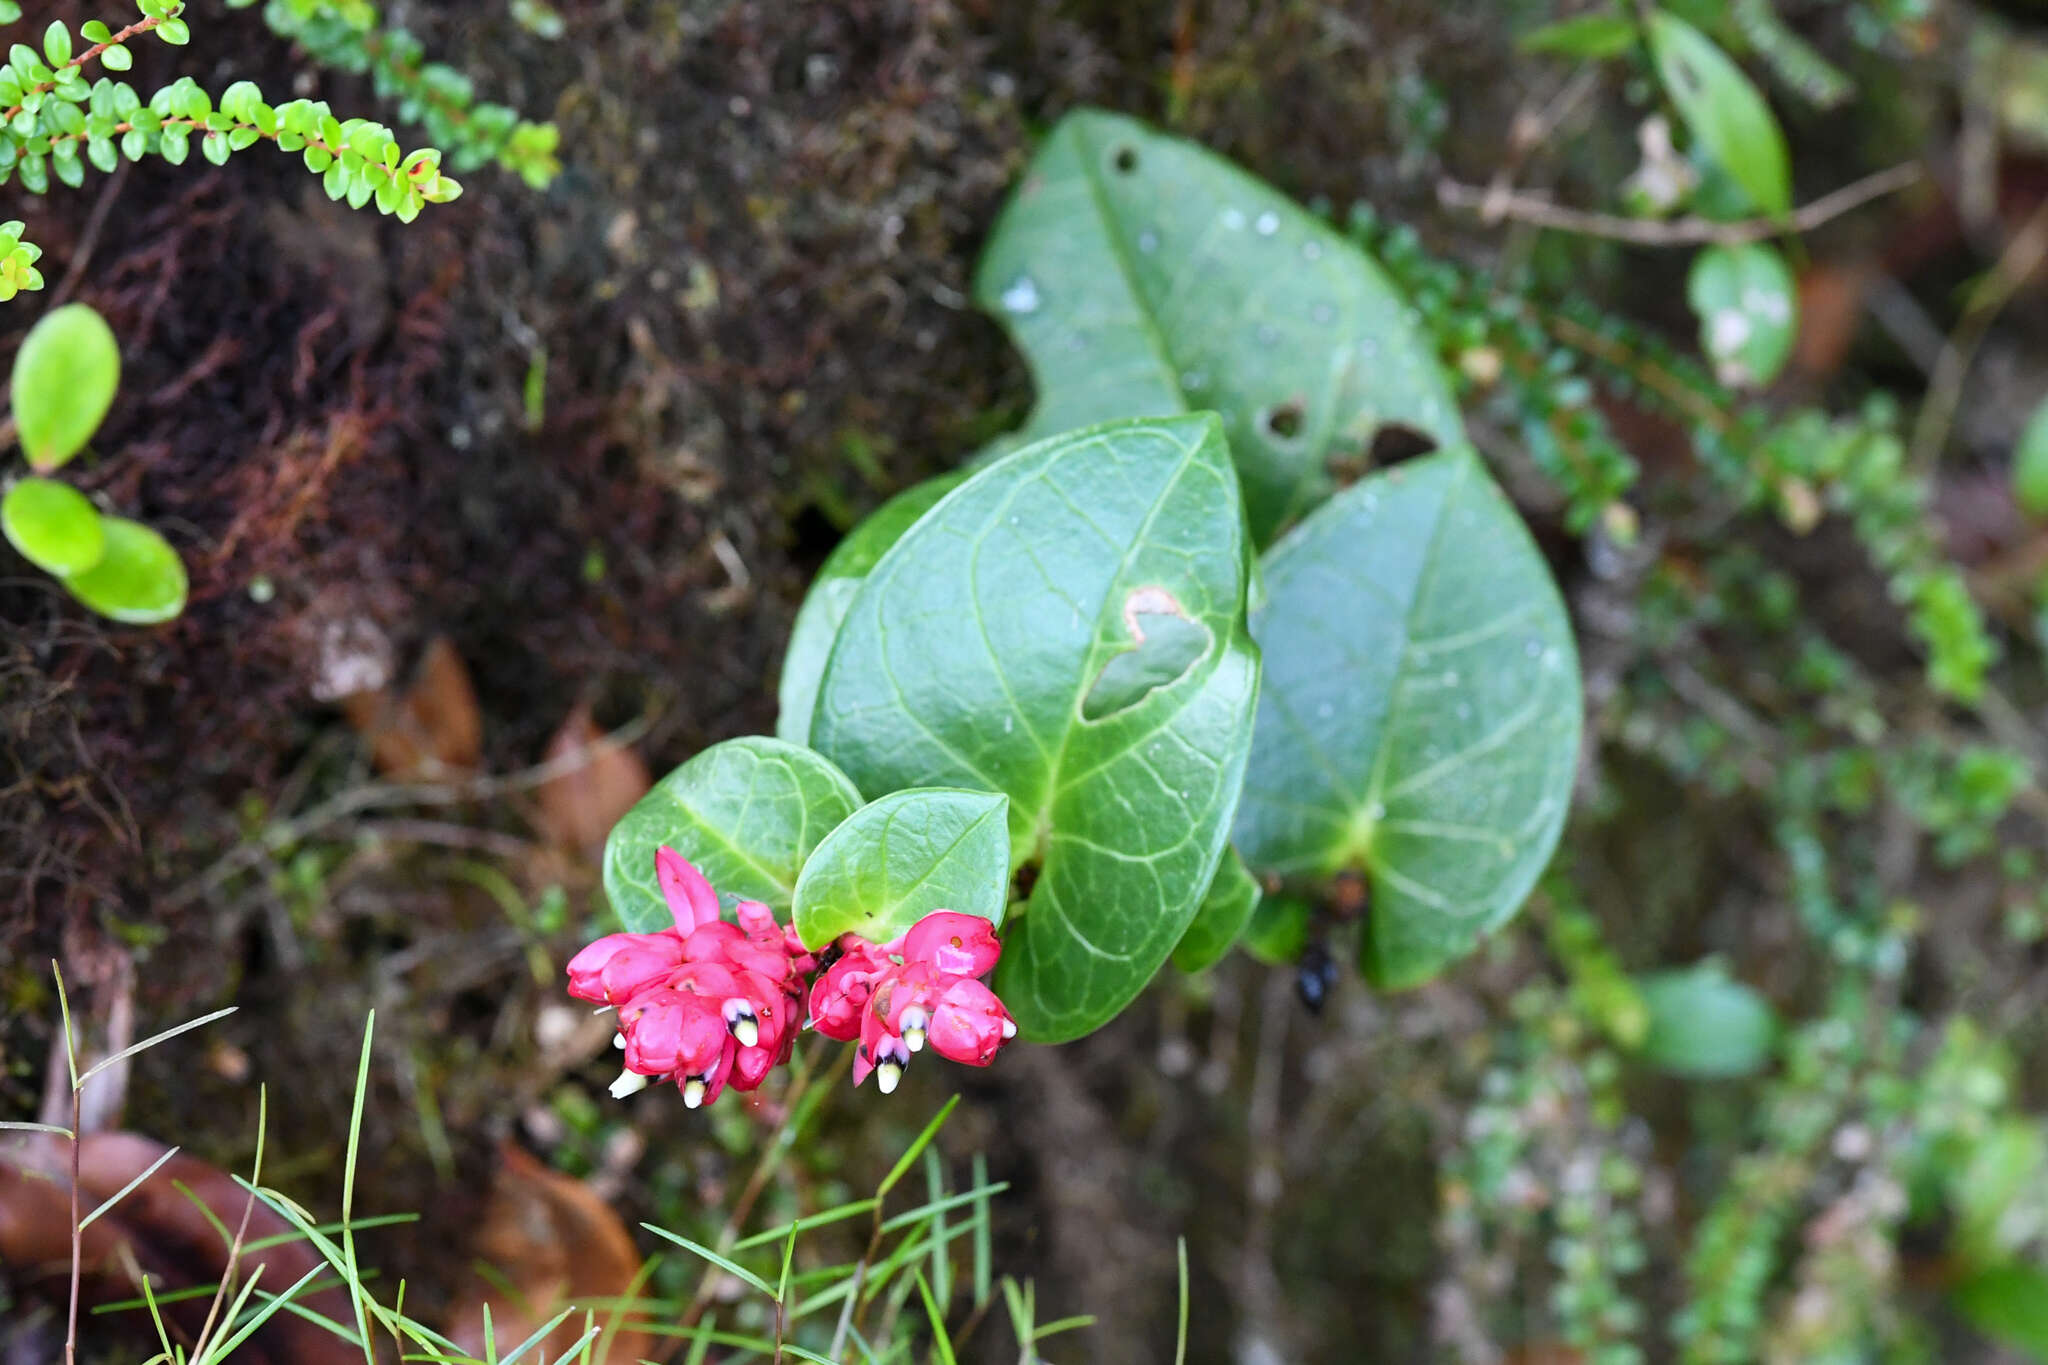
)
(705, 1002)
(896, 997)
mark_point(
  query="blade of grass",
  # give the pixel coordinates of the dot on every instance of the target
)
(118, 1195)
(939, 1206)
(984, 1255)
(1180, 1340)
(942, 1342)
(348, 1190)
(815, 1220)
(942, 1258)
(916, 1149)
(19, 1126)
(730, 1267)
(152, 1041)
(1058, 1325)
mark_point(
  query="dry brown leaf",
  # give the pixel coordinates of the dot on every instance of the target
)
(155, 1231)
(579, 806)
(556, 1243)
(1830, 312)
(434, 731)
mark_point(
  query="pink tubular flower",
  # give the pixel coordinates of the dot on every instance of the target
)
(897, 997)
(704, 1003)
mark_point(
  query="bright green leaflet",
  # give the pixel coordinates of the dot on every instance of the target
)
(2030, 465)
(1588, 36)
(1277, 932)
(2009, 1304)
(138, 579)
(817, 621)
(1419, 719)
(65, 375)
(53, 525)
(964, 660)
(1725, 113)
(1140, 274)
(1748, 309)
(1705, 1025)
(1228, 907)
(2004, 1166)
(747, 812)
(903, 856)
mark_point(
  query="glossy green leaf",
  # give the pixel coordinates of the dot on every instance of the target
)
(2009, 1304)
(1993, 1217)
(65, 375)
(1587, 36)
(1419, 721)
(967, 654)
(1748, 307)
(2030, 465)
(747, 812)
(1724, 111)
(1703, 1024)
(1140, 275)
(831, 593)
(1224, 912)
(138, 578)
(903, 856)
(53, 525)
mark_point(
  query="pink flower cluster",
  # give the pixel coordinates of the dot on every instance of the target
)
(710, 1003)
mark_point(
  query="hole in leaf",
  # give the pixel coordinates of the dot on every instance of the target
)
(1022, 881)
(1284, 421)
(1167, 645)
(1393, 443)
(1125, 159)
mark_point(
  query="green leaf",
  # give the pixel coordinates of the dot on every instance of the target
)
(1588, 36)
(139, 578)
(2009, 1304)
(1225, 911)
(895, 861)
(832, 592)
(2030, 465)
(53, 525)
(117, 58)
(1420, 716)
(1704, 1025)
(967, 653)
(57, 43)
(1993, 1218)
(1725, 113)
(1277, 932)
(65, 375)
(1142, 275)
(747, 812)
(1748, 307)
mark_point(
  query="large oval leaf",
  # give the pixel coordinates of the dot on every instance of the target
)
(1420, 713)
(138, 578)
(1725, 113)
(1224, 913)
(971, 652)
(65, 375)
(1140, 274)
(825, 605)
(747, 812)
(55, 526)
(903, 856)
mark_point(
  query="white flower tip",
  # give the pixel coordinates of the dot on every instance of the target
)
(693, 1093)
(747, 1032)
(1009, 1029)
(628, 1083)
(888, 1075)
(913, 1038)
(618, 1040)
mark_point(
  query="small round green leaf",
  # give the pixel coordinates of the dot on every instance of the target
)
(898, 859)
(53, 526)
(1724, 111)
(747, 812)
(1702, 1024)
(65, 375)
(2009, 1304)
(1225, 911)
(2030, 465)
(1278, 930)
(1748, 307)
(139, 580)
